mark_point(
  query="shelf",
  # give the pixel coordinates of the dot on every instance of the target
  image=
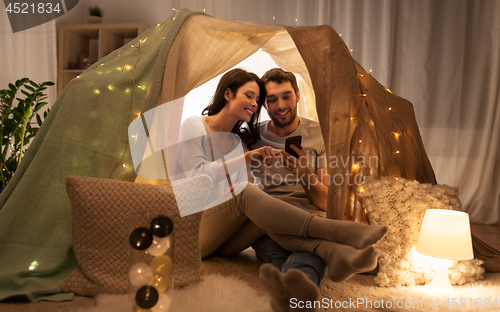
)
(92, 41)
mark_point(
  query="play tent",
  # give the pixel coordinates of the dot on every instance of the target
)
(86, 131)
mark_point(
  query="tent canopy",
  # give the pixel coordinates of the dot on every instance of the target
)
(86, 132)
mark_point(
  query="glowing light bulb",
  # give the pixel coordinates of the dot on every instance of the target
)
(77, 76)
(340, 35)
(101, 64)
(397, 152)
(388, 90)
(350, 51)
(96, 91)
(361, 189)
(33, 265)
(360, 141)
(110, 87)
(370, 71)
(396, 135)
(390, 108)
(158, 25)
(143, 40)
(355, 166)
(295, 22)
(123, 164)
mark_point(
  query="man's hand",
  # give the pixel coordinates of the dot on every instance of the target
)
(315, 187)
(299, 165)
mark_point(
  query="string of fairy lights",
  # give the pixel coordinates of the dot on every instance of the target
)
(138, 86)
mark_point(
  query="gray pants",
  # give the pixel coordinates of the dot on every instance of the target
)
(236, 224)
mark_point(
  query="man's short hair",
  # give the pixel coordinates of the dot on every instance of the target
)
(278, 75)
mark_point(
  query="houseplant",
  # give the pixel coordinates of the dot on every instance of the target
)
(95, 15)
(16, 126)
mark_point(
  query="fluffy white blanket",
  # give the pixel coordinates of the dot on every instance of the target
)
(215, 293)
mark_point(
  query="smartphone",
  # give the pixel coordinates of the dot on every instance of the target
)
(295, 140)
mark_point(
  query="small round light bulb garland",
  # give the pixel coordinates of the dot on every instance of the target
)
(153, 280)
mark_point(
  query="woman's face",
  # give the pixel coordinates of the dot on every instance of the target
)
(243, 104)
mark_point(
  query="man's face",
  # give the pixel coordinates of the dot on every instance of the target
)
(281, 103)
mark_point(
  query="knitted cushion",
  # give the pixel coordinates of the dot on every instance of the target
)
(101, 211)
(400, 205)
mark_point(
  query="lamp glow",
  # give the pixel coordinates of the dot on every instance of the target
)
(445, 234)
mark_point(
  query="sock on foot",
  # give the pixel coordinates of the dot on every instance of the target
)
(275, 285)
(343, 261)
(299, 286)
(349, 233)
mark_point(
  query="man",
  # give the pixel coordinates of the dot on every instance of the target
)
(301, 181)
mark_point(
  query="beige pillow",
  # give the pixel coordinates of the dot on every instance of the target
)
(400, 205)
(101, 211)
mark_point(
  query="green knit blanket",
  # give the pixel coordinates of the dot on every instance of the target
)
(85, 134)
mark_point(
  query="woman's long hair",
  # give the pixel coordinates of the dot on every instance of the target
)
(233, 80)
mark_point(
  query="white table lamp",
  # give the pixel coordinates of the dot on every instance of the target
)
(445, 234)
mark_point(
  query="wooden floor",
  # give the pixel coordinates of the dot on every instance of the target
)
(490, 234)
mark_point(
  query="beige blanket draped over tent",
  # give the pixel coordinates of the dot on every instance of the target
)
(367, 129)
(86, 131)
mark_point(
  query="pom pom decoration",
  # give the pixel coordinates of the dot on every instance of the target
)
(151, 283)
(146, 297)
(162, 226)
(140, 274)
(162, 265)
(159, 245)
(163, 304)
(141, 238)
(159, 282)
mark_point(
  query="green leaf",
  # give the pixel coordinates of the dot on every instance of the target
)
(38, 106)
(12, 87)
(17, 112)
(34, 84)
(25, 93)
(19, 83)
(39, 120)
(29, 88)
(25, 80)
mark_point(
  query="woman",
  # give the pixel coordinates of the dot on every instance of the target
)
(212, 145)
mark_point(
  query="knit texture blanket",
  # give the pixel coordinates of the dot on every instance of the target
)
(85, 134)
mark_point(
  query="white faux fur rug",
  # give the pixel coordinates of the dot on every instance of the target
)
(215, 293)
(218, 293)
